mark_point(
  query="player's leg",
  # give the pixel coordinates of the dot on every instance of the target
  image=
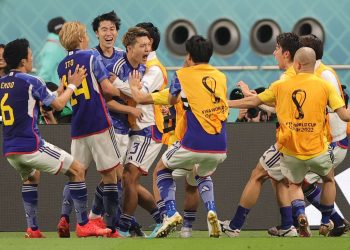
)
(191, 201)
(81, 153)
(207, 164)
(107, 157)
(141, 154)
(251, 191)
(167, 188)
(131, 176)
(295, 170)
(312, 193)
(30, 204)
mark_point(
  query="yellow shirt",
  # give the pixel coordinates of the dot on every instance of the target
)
(288, 73)
(161, 97)
(205, 89)
(301, 103)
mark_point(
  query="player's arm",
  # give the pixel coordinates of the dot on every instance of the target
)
(336, 103)
(343, 114)
(101, 74)
(74, 81)
(108, 89)
(247, 102)
(115, 106)
(174, 91)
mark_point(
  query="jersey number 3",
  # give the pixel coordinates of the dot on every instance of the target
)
(7, 112)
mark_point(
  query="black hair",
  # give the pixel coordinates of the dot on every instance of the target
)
(199, 48)
(314, 43)
(153, 32)
(55, 25)
(2, 45)
(14, 52)
(289, 41)
(110, 16)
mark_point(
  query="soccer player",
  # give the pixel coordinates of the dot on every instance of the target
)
(269, 165)
(92, 132)
(338, 143)
(301, 102)
(143, 148)
(339, 139)
(202, 128)
(25, 149)
(191, 192)
(106, 28)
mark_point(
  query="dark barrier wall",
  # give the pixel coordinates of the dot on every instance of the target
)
(246, 143)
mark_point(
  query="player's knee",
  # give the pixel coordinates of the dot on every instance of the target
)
(259, 174)
(34, 178)
(130, 174)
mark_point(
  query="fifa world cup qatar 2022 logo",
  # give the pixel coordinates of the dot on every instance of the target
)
(299, 97)
(210, 84)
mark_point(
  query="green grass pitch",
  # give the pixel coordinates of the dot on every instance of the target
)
(249, 240)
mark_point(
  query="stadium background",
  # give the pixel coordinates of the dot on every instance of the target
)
(20, 18)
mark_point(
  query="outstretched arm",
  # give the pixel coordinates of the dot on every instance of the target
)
(247, 102)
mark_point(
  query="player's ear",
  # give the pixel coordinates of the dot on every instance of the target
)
(23, 61)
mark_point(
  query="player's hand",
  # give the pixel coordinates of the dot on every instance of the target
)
(78, 75)
(135, 79)
(137, 113)
(112, 77)
(245, 88)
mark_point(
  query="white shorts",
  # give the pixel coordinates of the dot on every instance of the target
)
(142, 151)
(101, 147)
(122, 142)
(270, 161)
(48, 158)
(295, 169)
(188, 174)
(339, 156)
(204, 164)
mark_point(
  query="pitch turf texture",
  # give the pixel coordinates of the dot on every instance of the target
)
(249, 240)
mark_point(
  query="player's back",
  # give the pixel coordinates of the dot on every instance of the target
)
(90, 115)
(19, 109)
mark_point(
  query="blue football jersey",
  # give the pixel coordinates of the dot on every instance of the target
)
(117, 53)
(20, 95)
(90, 115)
(121, 67)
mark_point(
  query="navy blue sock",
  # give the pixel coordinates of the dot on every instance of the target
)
(125, 222)
(161, 208)
(326, 211)
(337, 219)
(239, 218)
(189, 218)
(78, 192)
(67, 203)
(30, 203)
(313, 195)
(167, 188)
(97, 204)
(206, 191)
(110, 202)
(286, 217)
(156, 216)
(298, 207)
